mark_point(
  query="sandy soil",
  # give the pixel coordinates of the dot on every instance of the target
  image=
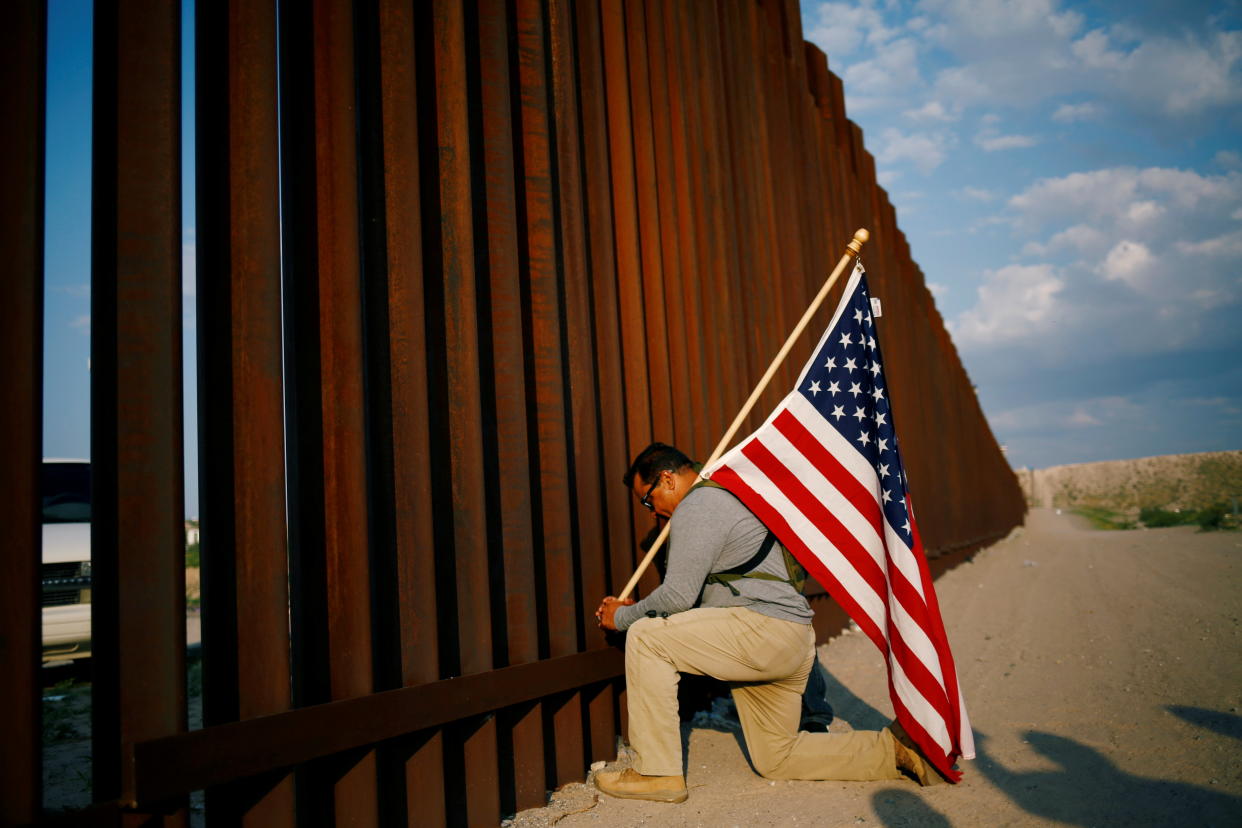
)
(1101, 671)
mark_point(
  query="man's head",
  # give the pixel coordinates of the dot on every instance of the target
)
(660, 477)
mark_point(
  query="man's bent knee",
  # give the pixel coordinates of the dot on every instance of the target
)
(638, 636)
(772, 770)
(641, 627)
(771, 763)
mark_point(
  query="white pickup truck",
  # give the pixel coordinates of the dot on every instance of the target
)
(66, 574)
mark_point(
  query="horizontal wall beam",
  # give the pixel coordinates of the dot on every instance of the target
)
(167, 767)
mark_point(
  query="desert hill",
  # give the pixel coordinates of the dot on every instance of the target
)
(1173, 481)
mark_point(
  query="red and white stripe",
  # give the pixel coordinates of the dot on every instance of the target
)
(822, 498)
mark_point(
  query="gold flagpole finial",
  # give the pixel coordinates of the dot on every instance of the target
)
(861, 237)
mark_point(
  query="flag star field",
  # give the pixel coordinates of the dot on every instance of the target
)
(852, 358)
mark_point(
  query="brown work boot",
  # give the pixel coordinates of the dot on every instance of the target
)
(630, 784)
(911, 759)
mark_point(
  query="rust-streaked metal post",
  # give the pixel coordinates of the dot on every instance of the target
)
(607, 355)
(341, 383)
(627, 235)
(241, 419)
(677, 336)
(137, 529)
(589, 475)
(625, 223)
(341, 390)
(744, 232)
(707, 212)
(780, 161)
(391, 69)
(597, 189)
(23, 55)
(458, 461)
(304, 464)
(757, 92)
(652, 327)
(671, 89)
(506, 394)
(725, 231)
(327, 414)
(540, 243)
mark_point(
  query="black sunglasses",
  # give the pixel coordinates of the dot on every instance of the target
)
(646, 499)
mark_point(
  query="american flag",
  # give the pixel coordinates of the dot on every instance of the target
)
(824, 474)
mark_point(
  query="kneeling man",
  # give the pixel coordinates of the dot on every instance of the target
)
(728, 608)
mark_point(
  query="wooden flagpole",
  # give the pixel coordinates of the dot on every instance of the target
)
(853, 249)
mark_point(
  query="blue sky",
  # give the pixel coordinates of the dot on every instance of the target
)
(1068, 175)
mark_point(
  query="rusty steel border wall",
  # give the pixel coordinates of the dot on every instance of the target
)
(457, 262)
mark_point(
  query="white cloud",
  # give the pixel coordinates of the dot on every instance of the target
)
(939, 58)
(978, 194)
(932, 111)
(1136, 258)
(1022, 52)
(1082, 417)
(1179, 75)
(1080, 238)
(1228, 159)
(1069, 113)
(1092, 194)
(886, 178)
(993, 143)
(1144, 212)
(1007, 52)
(1130, 262)
(841, 28)
(1111, 193)
(1208, 298)
(1209, 401)
(1225, 404)
(1089, 413)
(81, 323)
(886, 78)
(925, 151)
(1015, 302)
(971, 23)
(1095, 51)
(1229, 244)
(938, 290)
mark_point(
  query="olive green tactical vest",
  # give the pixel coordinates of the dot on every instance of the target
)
(795, 572)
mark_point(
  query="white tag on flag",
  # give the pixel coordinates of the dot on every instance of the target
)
(875, 308)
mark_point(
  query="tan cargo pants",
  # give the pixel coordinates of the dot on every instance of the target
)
(766, 662)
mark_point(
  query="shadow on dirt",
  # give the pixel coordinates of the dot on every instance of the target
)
(1226, 724)
(851, 708)
(896, 807)
(1089, 789)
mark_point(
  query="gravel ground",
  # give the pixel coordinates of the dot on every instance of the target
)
(1101, 672)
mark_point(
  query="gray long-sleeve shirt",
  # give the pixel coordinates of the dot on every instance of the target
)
(712, 532)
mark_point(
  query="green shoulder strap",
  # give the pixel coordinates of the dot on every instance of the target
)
(795, 572)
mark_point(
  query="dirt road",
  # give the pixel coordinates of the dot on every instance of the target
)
(1102, 672)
